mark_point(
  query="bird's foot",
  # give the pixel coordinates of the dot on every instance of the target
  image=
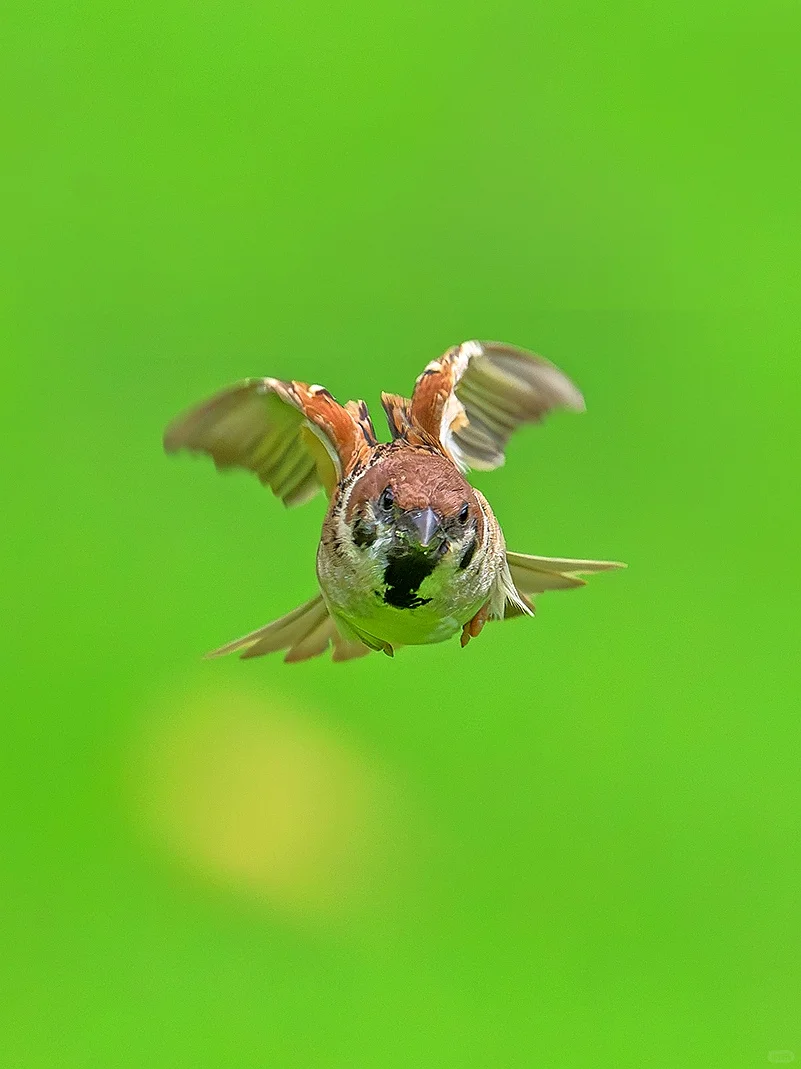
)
(474, 627)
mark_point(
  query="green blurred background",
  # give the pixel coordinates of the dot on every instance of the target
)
(575, 843)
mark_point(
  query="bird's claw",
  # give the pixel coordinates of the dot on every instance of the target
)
(474, 626)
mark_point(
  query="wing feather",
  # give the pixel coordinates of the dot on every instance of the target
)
(397, 412)
(296, 438)
(477, 394)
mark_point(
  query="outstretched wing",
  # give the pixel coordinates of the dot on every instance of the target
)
(478, 393)
(296, 438)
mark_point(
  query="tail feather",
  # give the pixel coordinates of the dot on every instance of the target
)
(304, 633)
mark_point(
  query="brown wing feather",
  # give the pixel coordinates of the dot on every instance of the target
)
(397, 409)
(478, 393)
(296, 438)
(360, 414)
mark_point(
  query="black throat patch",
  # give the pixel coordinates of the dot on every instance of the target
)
(403, 576)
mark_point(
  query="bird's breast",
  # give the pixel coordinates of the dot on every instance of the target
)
(409, 598)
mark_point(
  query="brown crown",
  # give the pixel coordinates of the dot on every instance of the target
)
(419, 479)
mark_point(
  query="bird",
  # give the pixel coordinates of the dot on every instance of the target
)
(410, 552)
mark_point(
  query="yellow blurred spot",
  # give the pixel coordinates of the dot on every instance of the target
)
(266, 801)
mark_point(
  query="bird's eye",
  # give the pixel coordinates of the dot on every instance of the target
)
(387, 499)
(464, 512)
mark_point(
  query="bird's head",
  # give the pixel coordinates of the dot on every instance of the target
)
(412, 512)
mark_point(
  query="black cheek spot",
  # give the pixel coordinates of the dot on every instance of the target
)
(467, 556)
(364, 534)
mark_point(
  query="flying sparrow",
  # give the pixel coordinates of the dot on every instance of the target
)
(410, 552)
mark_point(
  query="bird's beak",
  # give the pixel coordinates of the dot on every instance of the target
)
(426, 524)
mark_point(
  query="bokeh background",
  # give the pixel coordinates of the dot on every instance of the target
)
(576, 842)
